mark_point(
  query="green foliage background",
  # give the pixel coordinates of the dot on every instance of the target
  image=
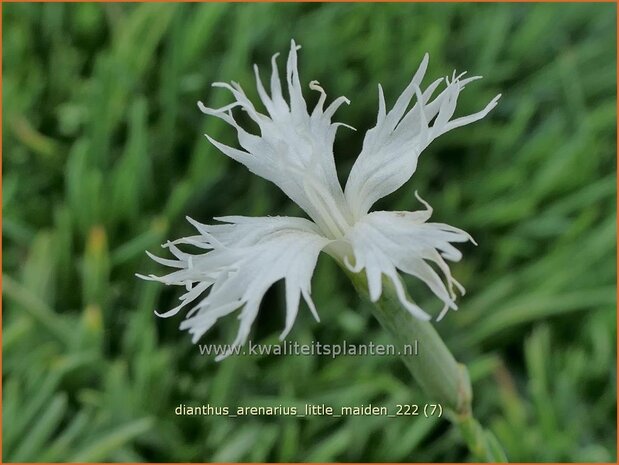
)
(103, 155)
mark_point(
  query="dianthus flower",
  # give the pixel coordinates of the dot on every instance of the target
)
(245, 256)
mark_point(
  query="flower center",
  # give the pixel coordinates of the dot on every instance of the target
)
(331, 214)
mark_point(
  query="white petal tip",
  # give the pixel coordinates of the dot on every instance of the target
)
(345, 125)
(493, 103)
(417, 312)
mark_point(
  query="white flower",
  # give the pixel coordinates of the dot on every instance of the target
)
(244, 256)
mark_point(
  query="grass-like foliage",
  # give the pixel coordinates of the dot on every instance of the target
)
(103, 155)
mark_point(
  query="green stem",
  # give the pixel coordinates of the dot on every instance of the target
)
(434, 368)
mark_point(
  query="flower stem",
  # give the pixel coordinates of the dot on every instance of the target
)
(434, 368)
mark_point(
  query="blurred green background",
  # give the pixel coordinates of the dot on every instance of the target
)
(103, 156)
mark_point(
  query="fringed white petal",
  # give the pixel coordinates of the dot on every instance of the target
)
(391, 149)
(245, 257)
(385, 242)
(295, 148)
